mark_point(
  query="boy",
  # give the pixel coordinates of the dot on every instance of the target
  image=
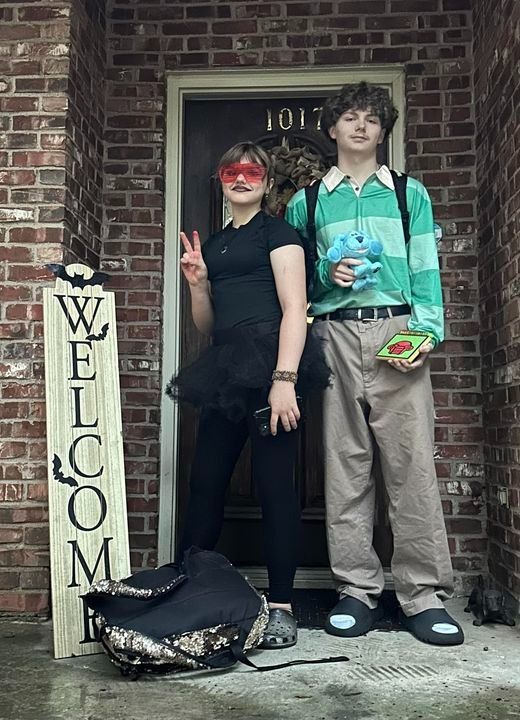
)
(387, 404)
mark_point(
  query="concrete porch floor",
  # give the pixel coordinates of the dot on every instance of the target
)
(389, 676)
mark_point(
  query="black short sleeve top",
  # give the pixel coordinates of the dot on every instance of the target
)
(240, 273)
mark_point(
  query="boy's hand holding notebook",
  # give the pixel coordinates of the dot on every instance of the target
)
(405, 345)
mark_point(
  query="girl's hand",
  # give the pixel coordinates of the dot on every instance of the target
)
(284, 407)
(192, 264)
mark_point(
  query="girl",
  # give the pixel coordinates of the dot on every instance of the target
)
(247, 287)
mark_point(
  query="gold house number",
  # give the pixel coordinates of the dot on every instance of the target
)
(287, 118)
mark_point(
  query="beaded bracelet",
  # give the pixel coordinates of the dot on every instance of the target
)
(284, 376)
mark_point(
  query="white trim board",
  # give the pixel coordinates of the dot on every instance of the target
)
(239, 83)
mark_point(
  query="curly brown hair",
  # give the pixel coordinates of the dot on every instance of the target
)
(362, 96)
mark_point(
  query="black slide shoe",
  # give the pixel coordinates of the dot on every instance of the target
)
(351, 618)
(433, 626)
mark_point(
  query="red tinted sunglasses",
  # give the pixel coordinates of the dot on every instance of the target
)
(253, 172)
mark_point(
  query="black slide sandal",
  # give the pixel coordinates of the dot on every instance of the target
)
(351, 618)
(422, 627)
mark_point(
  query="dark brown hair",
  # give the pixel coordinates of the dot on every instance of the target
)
(361, 96)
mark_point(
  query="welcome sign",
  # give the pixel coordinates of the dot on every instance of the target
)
(87, 501)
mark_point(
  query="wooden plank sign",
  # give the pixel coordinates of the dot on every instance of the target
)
(87, 501)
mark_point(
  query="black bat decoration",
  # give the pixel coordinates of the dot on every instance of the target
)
(98, 278)
(102, 335)
(59, 476)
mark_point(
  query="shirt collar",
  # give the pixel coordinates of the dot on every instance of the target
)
(256, 221)
(335, 176)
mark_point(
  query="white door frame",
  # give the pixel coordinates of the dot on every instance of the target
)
(239, 83)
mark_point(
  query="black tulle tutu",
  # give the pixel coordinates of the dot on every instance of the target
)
(240, 360)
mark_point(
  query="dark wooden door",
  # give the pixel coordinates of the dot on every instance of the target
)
(286, 128)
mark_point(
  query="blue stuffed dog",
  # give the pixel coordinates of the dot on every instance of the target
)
(360, 246)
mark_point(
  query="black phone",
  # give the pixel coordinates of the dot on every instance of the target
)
(262, 418)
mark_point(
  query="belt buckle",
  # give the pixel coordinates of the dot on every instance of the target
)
(375, 317)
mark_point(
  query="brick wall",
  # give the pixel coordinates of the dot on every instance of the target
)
(497, 94)
(51, 123)
(433, 39)
(33, 80)
(143, 40)
(85, 126)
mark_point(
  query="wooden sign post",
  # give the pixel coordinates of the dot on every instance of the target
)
(87, 500)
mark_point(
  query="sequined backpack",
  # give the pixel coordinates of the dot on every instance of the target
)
(203, 614)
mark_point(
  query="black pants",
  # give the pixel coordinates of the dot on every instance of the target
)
(219, 444)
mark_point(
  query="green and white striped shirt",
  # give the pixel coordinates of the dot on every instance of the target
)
(410, 274)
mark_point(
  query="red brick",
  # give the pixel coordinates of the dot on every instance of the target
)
(345, 55)
(389, 55)
(10, 450)
(390, 22)
(42, 13)
(37, 122)
(34, 579)
(37, 491)
(456, 5)
(301, 8)
(413, 6)
(36, 235)
(15, 253)
(9, 580)
(37, 159)
(31, 85)
(10, 535)
(23, 515)
(54, 104)
(464, 526)
(17, 390)
(17, 177)
(27, 272)
(34, 535)
(18, 104)
(279, 57)
(478, 545)
(351, 7)
(231, 27)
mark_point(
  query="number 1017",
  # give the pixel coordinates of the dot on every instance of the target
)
(288, 118)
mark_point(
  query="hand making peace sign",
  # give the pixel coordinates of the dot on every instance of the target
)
(192, 264)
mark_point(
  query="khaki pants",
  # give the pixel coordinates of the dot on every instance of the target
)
(369, 404)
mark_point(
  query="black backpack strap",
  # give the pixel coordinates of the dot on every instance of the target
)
(239, 654)
(311, 199)
(400, 191)
(309, 246)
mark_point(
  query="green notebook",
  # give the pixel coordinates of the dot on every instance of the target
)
(404, 345)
